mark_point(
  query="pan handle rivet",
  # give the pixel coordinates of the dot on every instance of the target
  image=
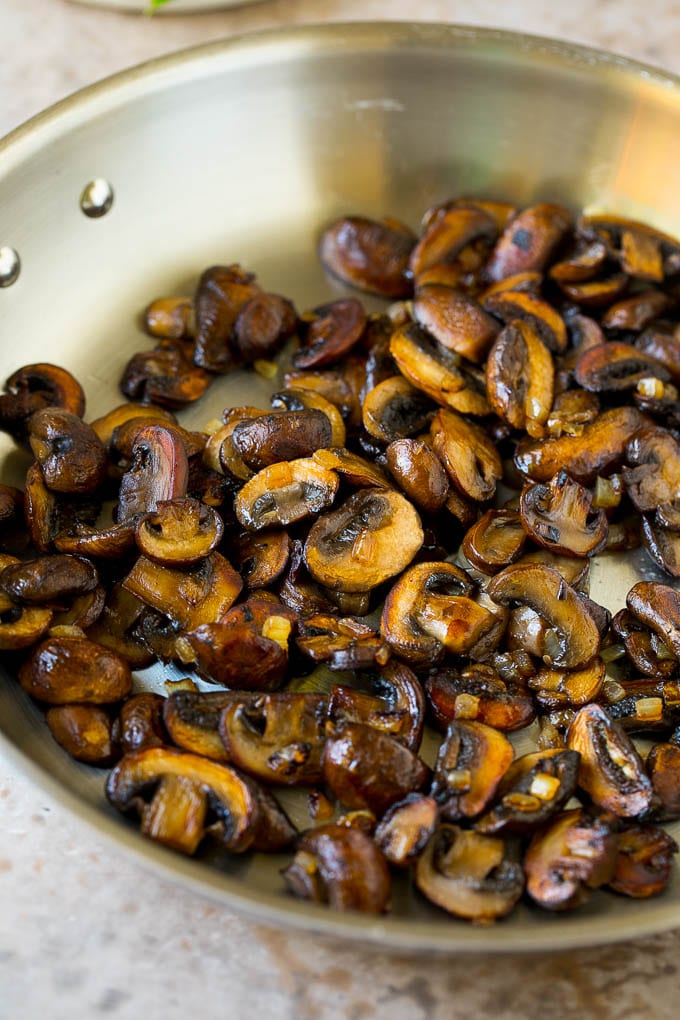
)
(96, 198)
(10, 266)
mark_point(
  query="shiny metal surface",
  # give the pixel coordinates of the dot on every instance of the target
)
(240, 152)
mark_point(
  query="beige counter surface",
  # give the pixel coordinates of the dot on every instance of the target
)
(84, 931)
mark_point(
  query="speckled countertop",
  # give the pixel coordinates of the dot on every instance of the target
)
(85, 931)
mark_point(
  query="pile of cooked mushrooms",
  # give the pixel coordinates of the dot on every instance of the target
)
(403, 536)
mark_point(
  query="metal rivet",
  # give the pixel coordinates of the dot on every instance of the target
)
(10, 266)
(97, 198)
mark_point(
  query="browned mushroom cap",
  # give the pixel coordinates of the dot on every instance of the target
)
(34, 387)
(663, 545)
(200, 594)
(429, 611)
(574, 571)
(108, 424)
(221, 294)
(342, 642)
(657, 606)
(468, 454)
(399, 710)
(159, 471)
(395, 410)
(575, 852)
(663, 347)
(637, 311)
(570, 411)
(419, 472)
(64, 670)
(436, 371)
(555, 688)
(650, 655)
(654, 476)
(598, 293)
(534, 788)
(477, 693)
(573, 638)
(340, 386)
(448, 232)
(472, 759)
(469, 875)
(70, 454)
(187, 791)
(279, 738)
(611, 770)
(85, 732)
(367, 768)
(338, 326)
(663, 768)
(166, 376)
(263, 325)
(179, 533)
(20, 627)
(116, 627)
(406, 828)
(48, 580)
(284, 435)
(495, 540)
(261, 556)
(581, 262)
(521, 306)
(192, 719)
(140, 722)
(520, 378)
(645, 707)
(112, 543)
(598, 450)
(126, 434)
(529, 240)
(170, 318)
(456, 320)
(308, 400)
(644, 862)
(284, 493)
(560, 517)
(372, 255)
(613, 228)
(340, 866)
(369, 538)
(615, 366)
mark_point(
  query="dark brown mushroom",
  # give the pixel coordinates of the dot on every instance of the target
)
(334, 331)
(663, 768)
(356, 470)
(534, 788)
(657, 606)
(448, 232)
(48, 580)
(342, 642)
(394, 410)
(472, 760)
(637, 311)
(406, 828)
(263, 325)
(179, 533)
(477, 693)
(309, 400)
(13, 533)
(644, 861)
(372, 255)
(650, 655)
(663, 545)
(456, 320)
(108, 543)
(20, 626)
(598, 293)
(85, 732)
(495, 541)
(33, 388)
(166, 376)
(520, 378)
(520, 306)
(570, 412)
(261, 556)
(71, 455)
(529, 240)
(140, 722)
(468, 454)
(615, 366)
(437, 371)
(284, 493)
(159, 471)
(65, 670)
(116, 627)
(555, 688)
(192, 719)
(108, 424)
(284, 435)
(339, 386)
(419, 473)
(573, 853)
(663, 347)
(191, 597)
(221, 294)
(653, 477)
(581, 262)
(643, 707)
(560, 517)
(396, 704)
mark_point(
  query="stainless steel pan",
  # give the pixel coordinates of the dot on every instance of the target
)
(240, 151)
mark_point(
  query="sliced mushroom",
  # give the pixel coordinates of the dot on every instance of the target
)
(263, 325)
(574, 853)
(406, 828)
(284, 435)
(469, 875)
(65, 670)
(222, 292)
(468, 454)
(284, 493)
(370, 538)
(574, 571)
(472, 760)
(342, 642)
(582, 262)
(456, 320)
(529, 240)
(20, 626)
(495, 541)
(125, 436)
(334, 331)
(396, 705)
(115, 628)
(555, 688)
(534, 788)
(340, 866)
(560, 517)
(570, 412)
(650, 655)
(643, 707)
(179, 533)
(637, 311)
(477, 693)
(109, 543)
(663, 545)
(192, 719)
(520, 378)
(356, 470)
(85, 732)
(436, 371)
(657, 606)
(107, 425)
(394, 410)
(520, 306)
(308, 400)
(644, 862)
(663, 347)
(33, 388)
(191, 597)
(654, 475)
(615, 366)
(48, 580)
(598, 293)
(339, 386)
(368, 254)
(663, 768)
(159, 471)
(165, 376)
(170, 318)
(71, 455)
(448, 232)
(262, 556)
(419, 473)
(140, 722)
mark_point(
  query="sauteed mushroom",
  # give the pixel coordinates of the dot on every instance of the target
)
(472, 760)
(654, 475)
(368, 254)
(170, 318)
(615, 366)
(70, 454)
(437, 371)
(85, 732)
(48, 580)
(448, 232)
(201, 594)
(477, 693)
(399, 710)
(529, 240)
(394, 409)
(284, 435)
(159, 471)
(644, 861)
(560, 517)
(495, 541)
(419, 472)
(520, 377)
(222, 292)
(179, 533)
(166, 376)
(406, 828)
(140, 723)
(308, 400)
(573, 853)
(33, 388)
(469, 456)
(456, 320)
(337, 327)
(65, 670)
(192, 719)
(658, 607)
(534, 788)
(263, 325)
(284, 493)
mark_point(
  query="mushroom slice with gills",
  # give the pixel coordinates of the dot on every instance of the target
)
(83, 611)
(165, 375)
(406, 828)
(520, 378)
(436, 371)
(140, 722)
(221, 294)
(284, 493)
(308, 400)
(332, 333)
(615, 366)
(188, 792)
(556, 688)
(470, 457)
(653, 477)
(398, 710)
(663, 768)
(220, 453)
(282, 435)
(179, 533)
(342, 642)
(663, 347)
(574, 571)
(419, 473)
(597, 293)
(640, 255)
(108, 543)
(663, 545)
(341, 866)
(598, 450)
(573, 638)
(520, 306)
(356, 470)
(236, 653)
(115, 627)
(469, 875)
(472, 760)
(448, 233)
(261, 556)
(66, 670)
(560, 517)
(367, 768)
(34, 387)
(170, 318)
(573, 853)
(394, 409)
(496, 540)
(528, 281)
(477, 693)
(535, 787)
(456, 320)
(644, 861)
(199, 594)
(570, 412)
(50, 514)
(372, 255)
(71, 455)
(159, 471)
(85, 732)
(367, 540)
(20, 626)
(279, 738)
(611, 770)
(192, 719)
(636, 312)
(48, 580)
(339, 386)
(125, 436)
(645, 707)
(108, 424)
(263, 325)
(650, 655)
(582, 262)
(657, 606)
(529, 240)
(297, 591)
